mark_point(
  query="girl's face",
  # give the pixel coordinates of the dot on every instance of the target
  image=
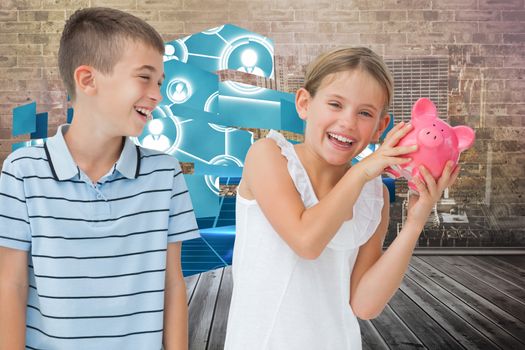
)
(344, 116)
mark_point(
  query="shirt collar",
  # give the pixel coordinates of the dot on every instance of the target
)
(63, 166)
(129, 162)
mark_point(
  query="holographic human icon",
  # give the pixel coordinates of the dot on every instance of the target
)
(162, 133)
(175, 50)
(249, 63)
(178, 91)
(248, 53)
(156, 140)
(169, 53)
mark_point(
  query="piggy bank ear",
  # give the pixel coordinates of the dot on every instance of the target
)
(423, 110)
(465, 137)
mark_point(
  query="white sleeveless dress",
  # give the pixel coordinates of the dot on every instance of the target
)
(282, 301)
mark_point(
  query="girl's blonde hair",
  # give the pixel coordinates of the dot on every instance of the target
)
(348, 59)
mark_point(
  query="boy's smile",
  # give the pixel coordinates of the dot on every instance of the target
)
(145, 112)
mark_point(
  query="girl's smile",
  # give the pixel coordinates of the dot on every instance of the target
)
(340, 142)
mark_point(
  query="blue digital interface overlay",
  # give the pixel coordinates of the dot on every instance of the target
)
(41, 122)
(24, 119)
(199, 117)
(225, 47)
(27, 121)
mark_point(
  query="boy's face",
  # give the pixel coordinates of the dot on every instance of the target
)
(126, 97)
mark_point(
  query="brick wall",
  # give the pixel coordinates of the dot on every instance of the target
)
(483, 39)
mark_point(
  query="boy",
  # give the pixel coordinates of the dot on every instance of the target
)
(90, 224)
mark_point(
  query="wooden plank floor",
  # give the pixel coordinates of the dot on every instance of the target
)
(444, 302)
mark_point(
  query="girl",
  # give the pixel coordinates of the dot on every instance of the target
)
(310, 227)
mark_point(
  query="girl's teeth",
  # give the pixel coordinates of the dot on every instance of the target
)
(340, 138)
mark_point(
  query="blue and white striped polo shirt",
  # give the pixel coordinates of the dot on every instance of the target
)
(97, 252)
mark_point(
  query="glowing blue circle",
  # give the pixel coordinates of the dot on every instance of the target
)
(211, 107)
(171, 129)
(262, 52)
(213, 31)
(178, 90)
(212, 181)
(176, 50)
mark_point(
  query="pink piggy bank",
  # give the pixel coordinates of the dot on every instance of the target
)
(437, 143)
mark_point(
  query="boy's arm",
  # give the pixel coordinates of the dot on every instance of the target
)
(182, 226)
(15, 243)
(376, 276)
(13, 298)
(175, 303)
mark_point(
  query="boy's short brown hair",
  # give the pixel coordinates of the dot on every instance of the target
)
(96, 37)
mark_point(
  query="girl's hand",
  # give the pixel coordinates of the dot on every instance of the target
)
(387, 154)
(430, 191)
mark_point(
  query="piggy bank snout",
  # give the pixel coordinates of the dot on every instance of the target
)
(430, 137)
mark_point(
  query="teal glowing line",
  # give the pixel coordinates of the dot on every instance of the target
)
(220, 36)
(226, 143)
(251, 100)
(200, 55)
(193, 156)
(214, 251)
